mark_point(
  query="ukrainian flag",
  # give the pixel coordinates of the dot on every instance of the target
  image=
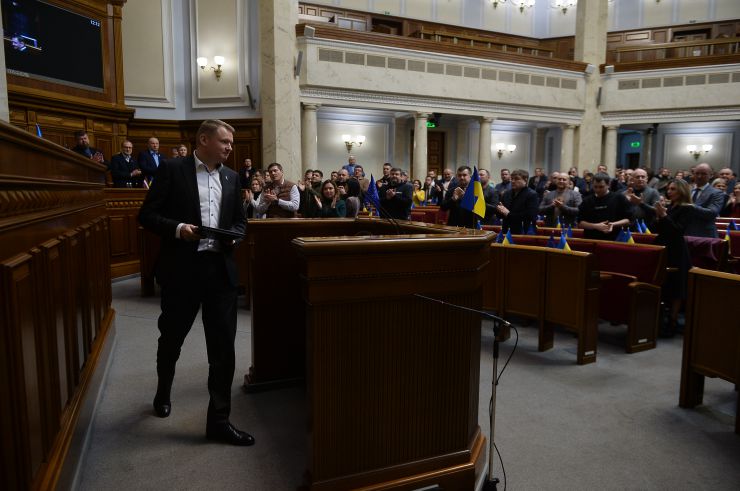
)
(473, 199)
(563, 243)
(508, 239)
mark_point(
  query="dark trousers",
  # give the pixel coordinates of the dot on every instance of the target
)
(207, 285)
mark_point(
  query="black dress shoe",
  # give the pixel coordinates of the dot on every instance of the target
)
(226, 433)
(162, 409)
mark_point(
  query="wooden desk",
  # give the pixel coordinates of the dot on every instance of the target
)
(392, 380)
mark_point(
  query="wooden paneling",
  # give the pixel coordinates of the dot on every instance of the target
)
(54, 268)
(123, 207)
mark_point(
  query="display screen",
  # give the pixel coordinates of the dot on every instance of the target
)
(49, 43)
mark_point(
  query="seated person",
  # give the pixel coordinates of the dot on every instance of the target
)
(329, 205)
(561, 204)
(519, 205)
(396, 196)
(603, 214)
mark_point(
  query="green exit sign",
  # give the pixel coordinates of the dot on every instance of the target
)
(635, 144)
(431, 124)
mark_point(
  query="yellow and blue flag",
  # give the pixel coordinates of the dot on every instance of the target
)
(625, 236)
(473, 199)
(563, 243)
(371, 196)
(508, 239)
(645, 229)
(551, 241)
(732, 225)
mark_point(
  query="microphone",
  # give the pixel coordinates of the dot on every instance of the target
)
(480, 312)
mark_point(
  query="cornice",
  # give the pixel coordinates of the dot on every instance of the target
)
(671, 115)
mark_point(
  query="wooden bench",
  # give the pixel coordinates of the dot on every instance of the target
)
(631, 278)
(551, 286)
(711, 340)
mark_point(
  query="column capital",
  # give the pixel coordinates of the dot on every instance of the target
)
(569, 126)
(487, 119)
(311, 106)
(612, 127)
(421, 115)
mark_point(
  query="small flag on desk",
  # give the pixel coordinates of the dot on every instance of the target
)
(38, 131)
(473, 199)
(563, 245)
(645, 229)
(532, 230)
(500, 237)
(371, 196)
(508, 239)
(569, 232)
(559, 225)
(732, 225)
(551, 240)
(620, 236)
(727, 233)
(478, 225)
(626, 237)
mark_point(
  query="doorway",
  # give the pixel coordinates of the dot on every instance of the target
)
(435, 152)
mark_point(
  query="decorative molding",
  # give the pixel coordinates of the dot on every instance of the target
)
(413, 103)
(671, 115)
(14, 202)
(168, 99)
(241, 61)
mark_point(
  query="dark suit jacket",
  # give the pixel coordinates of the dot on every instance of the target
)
(708, 206)
(522, 210)
(121, 170)
(147, 164)
(173, 199)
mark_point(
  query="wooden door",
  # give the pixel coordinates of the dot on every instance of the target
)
(435, 152)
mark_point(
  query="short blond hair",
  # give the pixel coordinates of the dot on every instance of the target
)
(210, 126)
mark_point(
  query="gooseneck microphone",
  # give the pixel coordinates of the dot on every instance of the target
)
(481, 312)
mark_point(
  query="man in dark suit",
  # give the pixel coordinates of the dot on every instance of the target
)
(150, 158)
(395, 196)
(124, 169)
(708, 202)
(83, 147)
(194, 271)
(456, 214)
(518, 205)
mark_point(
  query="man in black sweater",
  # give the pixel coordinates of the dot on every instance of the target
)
(396, 196)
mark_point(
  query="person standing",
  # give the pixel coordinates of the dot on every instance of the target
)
(604, 213)
(150, 158)
(124, 169)
(197, 272)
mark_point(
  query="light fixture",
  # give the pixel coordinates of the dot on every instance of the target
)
(217, 60)
(696, 152)
(350, 141)
(496, 3)
(502, 147)
(523, 4)
(564, 5)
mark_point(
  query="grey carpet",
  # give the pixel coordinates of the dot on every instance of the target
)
(614, 424)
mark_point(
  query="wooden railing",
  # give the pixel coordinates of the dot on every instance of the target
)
(486, 42)
(325, 31)
(683, 49)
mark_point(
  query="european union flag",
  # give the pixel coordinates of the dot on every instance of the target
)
(372, 195)
(473, 200)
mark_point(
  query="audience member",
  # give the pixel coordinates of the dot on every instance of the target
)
(573, 176)
(82, 140)
(182, 150)
(456, 214)
(251, 198)
(604, 213)
(505, 183)
(329, 204)
(246, 173)
(708, 200)
(385, 177)
(642, 198)
(348, 187)
(280, 198)
(419, 196)
(396, 196)
(430, 190)
(721, 184)
(308, 193)
(124, 169)
(672, 221)
(519, 205)
(443, 185)
(174, 153)
(732, 208)
(660, 181)
(588, 185)
(364, 181)
(729, 176)
(560, 205)
(334, 176)
(150, 158)
(350, 165)
(490, 196)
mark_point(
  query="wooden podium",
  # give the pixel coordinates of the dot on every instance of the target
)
(392, 379)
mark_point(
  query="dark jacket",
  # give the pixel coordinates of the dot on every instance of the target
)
(522, 208)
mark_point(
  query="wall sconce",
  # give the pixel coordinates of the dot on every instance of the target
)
(564, 5)
(523, 4)
(696, 152)
(501, 147)
(350, 141)
(218, 60)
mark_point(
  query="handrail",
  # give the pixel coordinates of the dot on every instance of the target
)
(378, 39)
(438, 35)
(732, 47)
(678, 44)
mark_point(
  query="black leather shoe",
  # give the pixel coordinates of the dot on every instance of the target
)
(226, 433)
(162, 409)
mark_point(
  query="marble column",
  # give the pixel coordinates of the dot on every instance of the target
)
(401, 147)
(590, 47)
(647, 150)
(610, 150)
(484, 144)
(279, 91)
(566, 148)
(420, 146)
(309, 137)
(462, 152)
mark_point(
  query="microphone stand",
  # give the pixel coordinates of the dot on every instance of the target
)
(491, 482)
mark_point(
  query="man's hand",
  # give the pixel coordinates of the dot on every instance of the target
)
(458, 193)
(558, 203)
(342, 190)
(135, 173)
(390, 193)
(98, 157)
(189, 232)
(632, 197)
(502, 209)
(660, 209)
(604, 227)
(318, 201)
(270, 196)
